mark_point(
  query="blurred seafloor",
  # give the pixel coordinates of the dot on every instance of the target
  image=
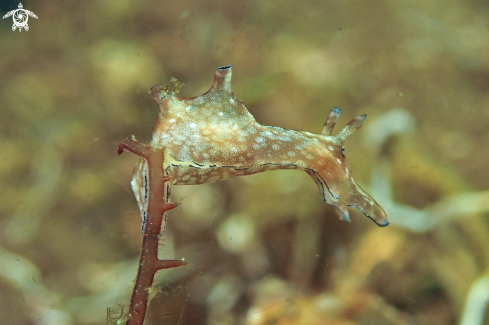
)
(263, 249)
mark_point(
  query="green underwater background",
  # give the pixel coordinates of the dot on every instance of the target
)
(263, 249)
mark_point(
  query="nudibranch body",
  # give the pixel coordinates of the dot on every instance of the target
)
(213, 137)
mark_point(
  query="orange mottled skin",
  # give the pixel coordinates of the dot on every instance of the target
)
(213, 137)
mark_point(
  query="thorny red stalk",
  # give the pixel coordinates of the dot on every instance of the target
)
(149, 263)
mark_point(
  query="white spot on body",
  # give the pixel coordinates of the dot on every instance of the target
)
(300, 163)
(251, 130)
(268, 134)
(261, 140)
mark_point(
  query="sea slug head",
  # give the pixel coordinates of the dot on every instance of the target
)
(332, 173)
(200, 123)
